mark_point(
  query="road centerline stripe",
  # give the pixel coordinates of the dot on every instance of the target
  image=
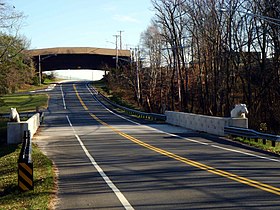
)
(108, 181)
(234, 177)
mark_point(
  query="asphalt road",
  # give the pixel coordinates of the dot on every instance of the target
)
(105, 161)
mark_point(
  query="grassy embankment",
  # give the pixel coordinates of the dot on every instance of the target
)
(10, 197)
(266, 145)
(119, 97)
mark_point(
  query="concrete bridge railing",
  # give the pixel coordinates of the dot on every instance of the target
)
(15, 130)
(208, 124)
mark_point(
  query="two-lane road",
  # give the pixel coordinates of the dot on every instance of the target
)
(108, 162)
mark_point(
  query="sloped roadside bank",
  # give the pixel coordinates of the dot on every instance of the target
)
(44, 180)
(44, 193)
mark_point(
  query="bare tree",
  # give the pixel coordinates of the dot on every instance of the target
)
(169, 15)
(205, 56)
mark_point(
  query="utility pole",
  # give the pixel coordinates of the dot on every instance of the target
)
(40, 65)
(137, 62)
(40, 70)
(120, 39)
(117, 53)
(137, 75)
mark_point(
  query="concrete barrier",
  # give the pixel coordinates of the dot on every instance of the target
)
(15, 131)
(208, 124)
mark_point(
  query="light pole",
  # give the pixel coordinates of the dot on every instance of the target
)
(40, 68)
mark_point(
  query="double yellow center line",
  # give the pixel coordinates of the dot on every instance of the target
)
(234, 177)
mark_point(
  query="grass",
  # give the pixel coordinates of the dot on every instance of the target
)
(23, 102)
(10, 196)
(48, 81)
(258, 143)
(44, 85)
(116, 97)
(28, 88)
(101, 86)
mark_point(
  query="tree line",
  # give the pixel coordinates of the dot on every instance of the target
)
(205, 56)
(16, 68)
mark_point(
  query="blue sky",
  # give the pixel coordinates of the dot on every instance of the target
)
(83, 23)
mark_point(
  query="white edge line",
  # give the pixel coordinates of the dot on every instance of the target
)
(192, 140)
(218, 147)
(110, 110)
(62, 94)
(245, 153)
(117, 192)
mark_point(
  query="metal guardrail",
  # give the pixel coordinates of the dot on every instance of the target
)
(143, 115)
(26, 149)
(42, 116)
(249, 133)
(25, 164)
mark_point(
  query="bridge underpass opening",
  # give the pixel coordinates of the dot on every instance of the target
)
(78, 74)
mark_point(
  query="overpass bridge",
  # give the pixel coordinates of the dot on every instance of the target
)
(60, 58)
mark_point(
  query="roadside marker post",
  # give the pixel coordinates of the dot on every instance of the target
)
(25, 165)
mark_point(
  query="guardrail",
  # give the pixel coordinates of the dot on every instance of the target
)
(251, 134)
(42, 116)
(25, 164)
(143, 115)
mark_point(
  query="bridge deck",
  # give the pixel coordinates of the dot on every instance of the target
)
(77, 58)
(78, 50)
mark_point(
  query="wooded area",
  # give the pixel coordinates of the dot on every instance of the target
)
(205, 56)
(16, 68)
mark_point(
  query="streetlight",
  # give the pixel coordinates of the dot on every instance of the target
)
(40, 68)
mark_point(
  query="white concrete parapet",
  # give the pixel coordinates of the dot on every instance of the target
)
(208, 124)
(33, 124)
(15, 130)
